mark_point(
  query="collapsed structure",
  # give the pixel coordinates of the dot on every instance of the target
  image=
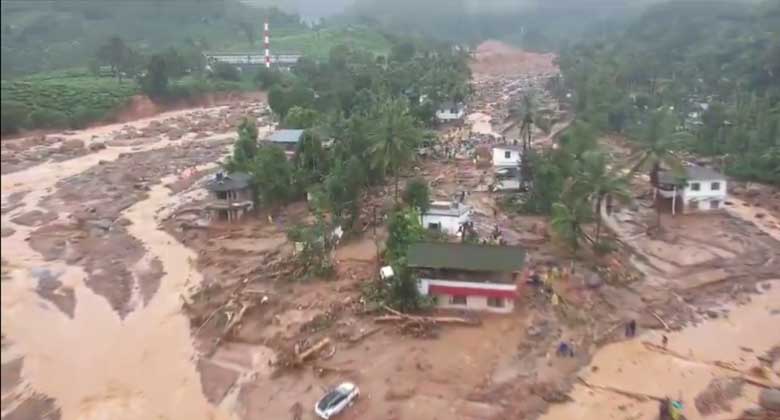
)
(468, 276)
(231, 196)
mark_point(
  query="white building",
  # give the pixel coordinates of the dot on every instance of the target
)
(507, 155)
(446, 216)
(449, 112)
(468, 276)
(698, 189)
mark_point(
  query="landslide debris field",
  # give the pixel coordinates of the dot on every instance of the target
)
(119, 302)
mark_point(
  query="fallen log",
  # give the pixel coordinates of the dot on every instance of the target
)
(302, 356)
(630, 394)
(661, 320)
(361, 337)
(426, 320)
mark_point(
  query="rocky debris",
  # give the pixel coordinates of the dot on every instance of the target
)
(34, 218)
(770, 399)
(62, 297)
(716, 396)
(593, 281)
(97, 145)
(72, 145)
(175, 134)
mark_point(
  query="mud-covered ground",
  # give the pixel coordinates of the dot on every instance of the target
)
(116, 294)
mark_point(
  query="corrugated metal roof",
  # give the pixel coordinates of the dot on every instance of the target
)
(692, 173)
(285, 136)
(471, 257)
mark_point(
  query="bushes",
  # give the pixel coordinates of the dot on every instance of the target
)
(13, 117)
(225, 71)
(48, 118)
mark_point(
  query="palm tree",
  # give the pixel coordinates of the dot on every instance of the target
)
(596, 181)
(657, 145)
(394, 137)
(567, 220)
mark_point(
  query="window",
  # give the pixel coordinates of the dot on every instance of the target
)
(507, 154)
(693, 205)
(495, 302)
(695, 186)
(715, 186)
(434, 226)
(222, 195)
(715, 204)
(457, 300)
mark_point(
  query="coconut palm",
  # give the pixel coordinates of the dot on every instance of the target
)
(394, 137)
(596, 181)
(657, 147)
(567, 220)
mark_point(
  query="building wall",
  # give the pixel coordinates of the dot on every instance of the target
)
(448, 115)
(473, 302)
(500, 159)
(704, 196)
(449, 224)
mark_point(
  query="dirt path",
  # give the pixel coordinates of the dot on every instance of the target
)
(631, 366)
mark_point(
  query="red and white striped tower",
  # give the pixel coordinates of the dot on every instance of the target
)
(267, 43)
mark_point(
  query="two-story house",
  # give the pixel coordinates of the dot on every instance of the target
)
(697, 189)
(231, 196)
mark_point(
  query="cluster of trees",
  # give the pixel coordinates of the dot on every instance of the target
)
(45, 36)
(532, 24)
(716, 64)
(367, 111)
(155, 72)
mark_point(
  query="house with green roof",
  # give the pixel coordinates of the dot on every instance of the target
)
(468, 276)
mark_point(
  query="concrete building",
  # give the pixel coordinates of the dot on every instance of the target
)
(251, 60)
(231, 196)
(446, 216)
(286, 139)
(449, 112)
(468, 276)
(507, 179)
(698, 189)
(507, 155)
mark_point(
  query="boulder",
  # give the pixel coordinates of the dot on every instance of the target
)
(769, 399)
(71, 145)
(175, 134)
(593, 281)
(97, 145)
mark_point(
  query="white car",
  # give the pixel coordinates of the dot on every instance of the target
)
(336, 400)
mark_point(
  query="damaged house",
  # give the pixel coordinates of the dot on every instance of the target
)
(231, 196)
(450, 112)
(468, 276)
(446, 216)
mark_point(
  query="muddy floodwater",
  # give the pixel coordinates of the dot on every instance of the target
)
(95, 364)
(683, 372)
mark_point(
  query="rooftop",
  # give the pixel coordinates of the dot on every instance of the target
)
(447, 208)
(228, 182)
(692, 173)
(516, 147)
(285, 136)
(451, 105)
(470, 257)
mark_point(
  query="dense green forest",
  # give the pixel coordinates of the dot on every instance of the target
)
(714, 64)
(531, 24)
